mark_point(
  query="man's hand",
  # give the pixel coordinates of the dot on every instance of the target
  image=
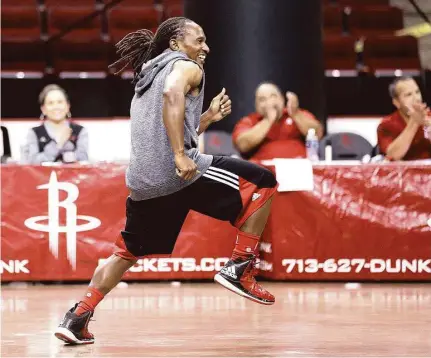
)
(271, 114)
(292, 103)
(185, 167)
(418, 113)
(220, 106)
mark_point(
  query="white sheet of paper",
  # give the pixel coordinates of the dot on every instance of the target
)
(293, 174)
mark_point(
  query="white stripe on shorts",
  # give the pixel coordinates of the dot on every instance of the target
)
(221, 181)
(225, 177)
(224, 172)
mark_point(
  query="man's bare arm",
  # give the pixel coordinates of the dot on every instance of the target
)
(251, 138)
(400, 146)
(304, 123)
(185, 76)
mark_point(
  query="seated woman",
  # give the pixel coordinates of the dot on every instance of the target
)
(57, 139)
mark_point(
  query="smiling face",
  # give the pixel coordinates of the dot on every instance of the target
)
(192, 42)
(55, 106)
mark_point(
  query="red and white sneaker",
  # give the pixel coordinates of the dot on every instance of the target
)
(238, 276)
(73, 329)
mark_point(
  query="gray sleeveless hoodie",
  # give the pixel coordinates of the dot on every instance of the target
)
(151, 171)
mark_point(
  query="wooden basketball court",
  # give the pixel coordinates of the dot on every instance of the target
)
(205, 320)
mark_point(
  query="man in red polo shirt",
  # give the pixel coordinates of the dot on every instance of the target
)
(276, 130)
(403, 134)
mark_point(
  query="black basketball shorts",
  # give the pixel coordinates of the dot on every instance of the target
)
(230, 190)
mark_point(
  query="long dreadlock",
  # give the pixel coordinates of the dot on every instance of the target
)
(141, 46)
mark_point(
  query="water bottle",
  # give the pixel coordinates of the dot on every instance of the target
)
(328, 151)
(312, 145)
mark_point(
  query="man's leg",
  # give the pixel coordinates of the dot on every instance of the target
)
(108, 275)
(74, 327)
(239, 192)
(250, 232)
(256, 223)
(105, 278)
(238, 274)
(149, 230)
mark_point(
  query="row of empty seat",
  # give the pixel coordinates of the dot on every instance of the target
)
(59, 14)
(81, 2)
(93, 54)
(361, 33)
(379, 53)
(28, 24)
(37, 22)
(90, 46)
(31, 22)
(362, 20)
(357, 2)
(151, 2)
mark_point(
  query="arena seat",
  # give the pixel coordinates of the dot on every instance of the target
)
(345, 146)
(338, 52)
(117, 34)
(123, 20)
(20, 22)
(173, 8)
(80, 51)
(375, 20)
(33, 3)
(219, 143)
(60, 18)
(133, 3)
(22, 48)
(70, 3)
(332, 20)
(128, 19)
(391, 52)
(173, 11)
(363, 2)
(5, 143)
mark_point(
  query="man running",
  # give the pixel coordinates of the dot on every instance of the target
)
(167, 176)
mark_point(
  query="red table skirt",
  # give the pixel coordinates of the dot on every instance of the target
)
(370, 222)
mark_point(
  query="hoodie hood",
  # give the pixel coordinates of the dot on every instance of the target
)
(151, 68)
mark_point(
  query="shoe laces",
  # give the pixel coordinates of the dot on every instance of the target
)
(255, 266)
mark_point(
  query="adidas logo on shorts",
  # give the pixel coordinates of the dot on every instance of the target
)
(229, 271)
(255, 196)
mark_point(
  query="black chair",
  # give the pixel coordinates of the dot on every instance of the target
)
(219, 143)
(345, 146)
(7, 153)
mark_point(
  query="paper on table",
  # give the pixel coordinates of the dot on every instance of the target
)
(293, 174)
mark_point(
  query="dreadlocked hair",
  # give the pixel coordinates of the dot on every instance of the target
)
(140, 46)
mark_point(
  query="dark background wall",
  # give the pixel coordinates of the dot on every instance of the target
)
(252, 42)
(111, 97)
